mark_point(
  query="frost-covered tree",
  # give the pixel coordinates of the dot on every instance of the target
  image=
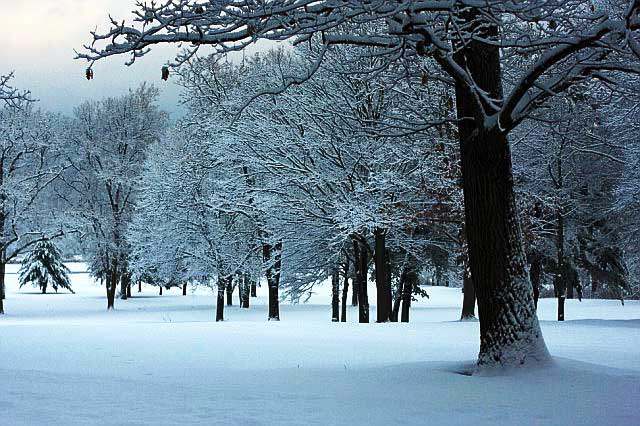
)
(505, 59)
(43, 267)
(107, 145)
(31, 161)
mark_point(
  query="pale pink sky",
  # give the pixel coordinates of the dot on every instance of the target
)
(37, 38)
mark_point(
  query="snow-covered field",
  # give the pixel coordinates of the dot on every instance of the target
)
(163, 360)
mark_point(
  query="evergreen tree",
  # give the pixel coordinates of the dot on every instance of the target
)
(43, 268)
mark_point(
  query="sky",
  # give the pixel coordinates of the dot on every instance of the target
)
(37, 41)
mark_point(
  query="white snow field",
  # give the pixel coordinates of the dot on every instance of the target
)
(160, 360)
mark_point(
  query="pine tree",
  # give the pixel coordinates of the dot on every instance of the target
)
(43, 268)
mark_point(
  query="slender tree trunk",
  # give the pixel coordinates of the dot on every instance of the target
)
(535, 274)
(184, 289)
(230, 290)
(129, 289)
(2, 285)
(254, 289)
(345, 289)
(139, 286)
(44, 288)
(469, 299)
(272, 258)
(509, 329)
(245, 293)
(161, 290)
(560, 279)
(360, 253)
(220, 300)
(410, 280)
(112, 284)
(335, 295)
(124, 283)
(383, 287)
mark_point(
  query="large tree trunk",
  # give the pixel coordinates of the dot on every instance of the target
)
(383, 286)
(220, 300)
(44, 288)
(509, 330)
(361, 268)
(335, 295)
(345, 289)
(272, 258)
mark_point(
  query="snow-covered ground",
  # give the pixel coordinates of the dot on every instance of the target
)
(163, 360)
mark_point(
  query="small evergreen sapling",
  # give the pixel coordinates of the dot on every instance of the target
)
(43, 267)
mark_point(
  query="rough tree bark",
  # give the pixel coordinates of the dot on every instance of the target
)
(509, 329)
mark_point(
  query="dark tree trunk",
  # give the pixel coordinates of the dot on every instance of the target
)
(184, 289)
(220, 300)
(345, 289)
(469, 299)
(272, 258)
(383, 286)
(240, 284)
(112, 284)
(44, 288)
(229, 281)
(535, 274)
(354, 282)
(361, 267)
(594, 285)
(139, 286)
(254, 289)
(245, 291)
(560, 278)
(2, 286)
(509, 329)
(129, 289)
(160, 290)
(410, 280)
(124, 284)
(335, 295)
